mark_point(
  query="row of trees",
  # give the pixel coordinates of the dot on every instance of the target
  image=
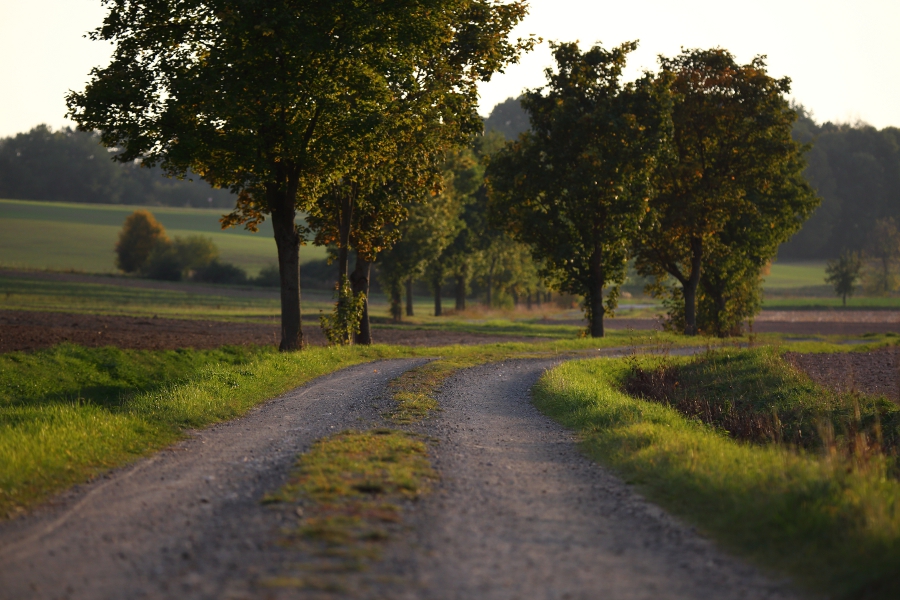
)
(72, 166)
(337, 108)
(855, 168)
(357, 115)
(692, 172)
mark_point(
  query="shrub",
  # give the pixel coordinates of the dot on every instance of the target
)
(140, 234)
(172, 261)
(163, 263)
(268, 277)
(220, 272)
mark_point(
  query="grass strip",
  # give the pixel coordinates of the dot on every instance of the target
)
(348, 491)
(834, 528)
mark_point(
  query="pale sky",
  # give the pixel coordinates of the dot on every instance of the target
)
(842, 56)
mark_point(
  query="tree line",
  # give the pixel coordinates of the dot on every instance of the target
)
(73, 166)
(364, 117)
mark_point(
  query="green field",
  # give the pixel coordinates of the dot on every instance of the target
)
(795, 275)
(81, 237)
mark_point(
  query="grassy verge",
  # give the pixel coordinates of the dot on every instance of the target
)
(832, 525)
(70, 413)
(757, 396)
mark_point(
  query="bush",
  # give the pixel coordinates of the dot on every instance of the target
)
(163, 263)
(140, 234)
(220, 272)
(268, 277)
(172, 261)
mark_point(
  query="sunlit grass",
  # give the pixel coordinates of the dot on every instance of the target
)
(835, 529)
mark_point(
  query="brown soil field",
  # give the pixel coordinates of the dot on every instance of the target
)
(32, 330)
(874, 373)
(791, 322)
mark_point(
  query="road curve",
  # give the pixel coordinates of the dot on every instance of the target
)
(522, 514)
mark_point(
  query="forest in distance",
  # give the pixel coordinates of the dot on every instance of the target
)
(855, 168)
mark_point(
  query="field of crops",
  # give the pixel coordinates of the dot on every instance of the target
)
(81, 237)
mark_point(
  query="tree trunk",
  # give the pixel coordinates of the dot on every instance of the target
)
(287, 240)
(490, 283)
(346, 221)
(689, 288)
(396, 290)
(528, 300)
(461, 292)
(409, 297)
(359, 280)
(596, 292)
(437, 297)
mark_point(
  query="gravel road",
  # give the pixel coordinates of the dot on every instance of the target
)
(520, 513)
(187, 522)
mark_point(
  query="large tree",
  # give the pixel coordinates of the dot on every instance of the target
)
(732, 190)
(277, 99)
(575, 187)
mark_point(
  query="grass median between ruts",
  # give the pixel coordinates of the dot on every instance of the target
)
(831, 524)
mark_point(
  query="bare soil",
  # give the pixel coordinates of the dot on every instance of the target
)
(874, 373)
(783, 321)
(32, 330)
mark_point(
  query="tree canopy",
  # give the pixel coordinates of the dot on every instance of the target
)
(575, 188)
(732, 191)
(276, 100)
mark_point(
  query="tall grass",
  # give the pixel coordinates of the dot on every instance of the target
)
(834, 528)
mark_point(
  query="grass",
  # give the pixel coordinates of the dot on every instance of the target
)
(180, 300)
(65, 236)
(795, 275)
(798, 302)
(833, 526)
(758, 396)
(70, 413)
(348, 491)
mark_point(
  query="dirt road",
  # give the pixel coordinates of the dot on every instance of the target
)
(522, 514)
(519, 512)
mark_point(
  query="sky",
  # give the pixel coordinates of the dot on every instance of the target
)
(843, 57)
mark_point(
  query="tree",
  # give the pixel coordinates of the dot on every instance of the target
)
(575, 187)
(422, 237)
(475, 234)
(508, 118)
(882, 254)
(733, 181)
(843, 273)
(276, 100)
(140, 233)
